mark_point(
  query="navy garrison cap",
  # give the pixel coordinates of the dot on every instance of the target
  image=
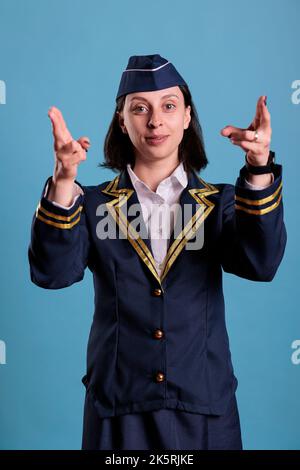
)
(148, 73)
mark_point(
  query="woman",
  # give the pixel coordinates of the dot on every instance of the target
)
(159, 372)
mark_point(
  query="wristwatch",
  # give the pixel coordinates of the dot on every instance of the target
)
(260, 170)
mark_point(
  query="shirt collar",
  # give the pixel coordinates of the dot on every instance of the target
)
(179, 174)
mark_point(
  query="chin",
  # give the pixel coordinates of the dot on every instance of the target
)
(160, 150)
(159, 154)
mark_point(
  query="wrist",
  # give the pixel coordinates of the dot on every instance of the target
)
(62, 191)
(62, 182)
(264, 167)
(257, 161)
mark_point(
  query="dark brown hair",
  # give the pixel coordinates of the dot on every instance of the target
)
(118, 148)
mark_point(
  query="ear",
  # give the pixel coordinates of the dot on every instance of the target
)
(121, 122)
(187, 117)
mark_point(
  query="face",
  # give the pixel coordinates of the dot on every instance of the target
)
(161, 114)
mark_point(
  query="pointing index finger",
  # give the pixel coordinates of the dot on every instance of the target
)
(59, 115)
(265, 115)
(59, 129)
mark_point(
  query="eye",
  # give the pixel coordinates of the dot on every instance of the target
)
(170, 104)
(139, 107)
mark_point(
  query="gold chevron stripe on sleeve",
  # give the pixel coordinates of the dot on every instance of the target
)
(56, 216)
(259, 202)
(260, 211)
(56, 224)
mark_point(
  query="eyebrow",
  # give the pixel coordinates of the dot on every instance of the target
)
(143, 98)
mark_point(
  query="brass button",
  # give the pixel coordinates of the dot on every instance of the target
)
(158, 334)
(160, 377)
(157, 292)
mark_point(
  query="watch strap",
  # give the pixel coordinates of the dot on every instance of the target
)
(260, 170)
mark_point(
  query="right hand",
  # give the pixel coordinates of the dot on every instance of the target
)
(68, 152)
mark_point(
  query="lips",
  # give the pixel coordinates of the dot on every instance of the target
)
(156, 139)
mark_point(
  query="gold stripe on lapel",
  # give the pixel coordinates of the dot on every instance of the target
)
(122, 196)
(193, 224)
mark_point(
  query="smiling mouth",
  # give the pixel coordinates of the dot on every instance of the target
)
(156, 140)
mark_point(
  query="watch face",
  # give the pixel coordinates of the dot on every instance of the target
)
(271, 157)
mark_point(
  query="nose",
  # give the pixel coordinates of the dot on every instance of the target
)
(155, 120)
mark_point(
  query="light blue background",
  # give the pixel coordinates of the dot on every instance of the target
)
(71, 53)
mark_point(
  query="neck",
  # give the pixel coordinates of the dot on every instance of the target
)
(152, 172)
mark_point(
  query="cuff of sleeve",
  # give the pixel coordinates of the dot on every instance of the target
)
(66, 207)
(255, 186)
(76, 192)
(258, 201)
(59, 216)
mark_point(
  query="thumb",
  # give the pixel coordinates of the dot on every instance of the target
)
(84, 142)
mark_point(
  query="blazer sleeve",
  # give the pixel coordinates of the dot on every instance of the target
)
(253, 235)
(59, 247)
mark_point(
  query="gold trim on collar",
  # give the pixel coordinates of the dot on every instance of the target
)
(122, 196)
(192, 225)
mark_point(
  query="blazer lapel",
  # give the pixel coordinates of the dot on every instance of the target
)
(195, 207)
(124, 199)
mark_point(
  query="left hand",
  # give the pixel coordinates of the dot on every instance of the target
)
(257, 151)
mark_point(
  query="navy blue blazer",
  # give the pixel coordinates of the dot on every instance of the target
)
(159, 341)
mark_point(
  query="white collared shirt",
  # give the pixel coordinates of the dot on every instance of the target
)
(159, 209)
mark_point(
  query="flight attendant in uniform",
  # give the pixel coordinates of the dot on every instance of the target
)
(159, 373)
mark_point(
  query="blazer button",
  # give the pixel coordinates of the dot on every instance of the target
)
(157, 292)
(158, 334)
(160, 377)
